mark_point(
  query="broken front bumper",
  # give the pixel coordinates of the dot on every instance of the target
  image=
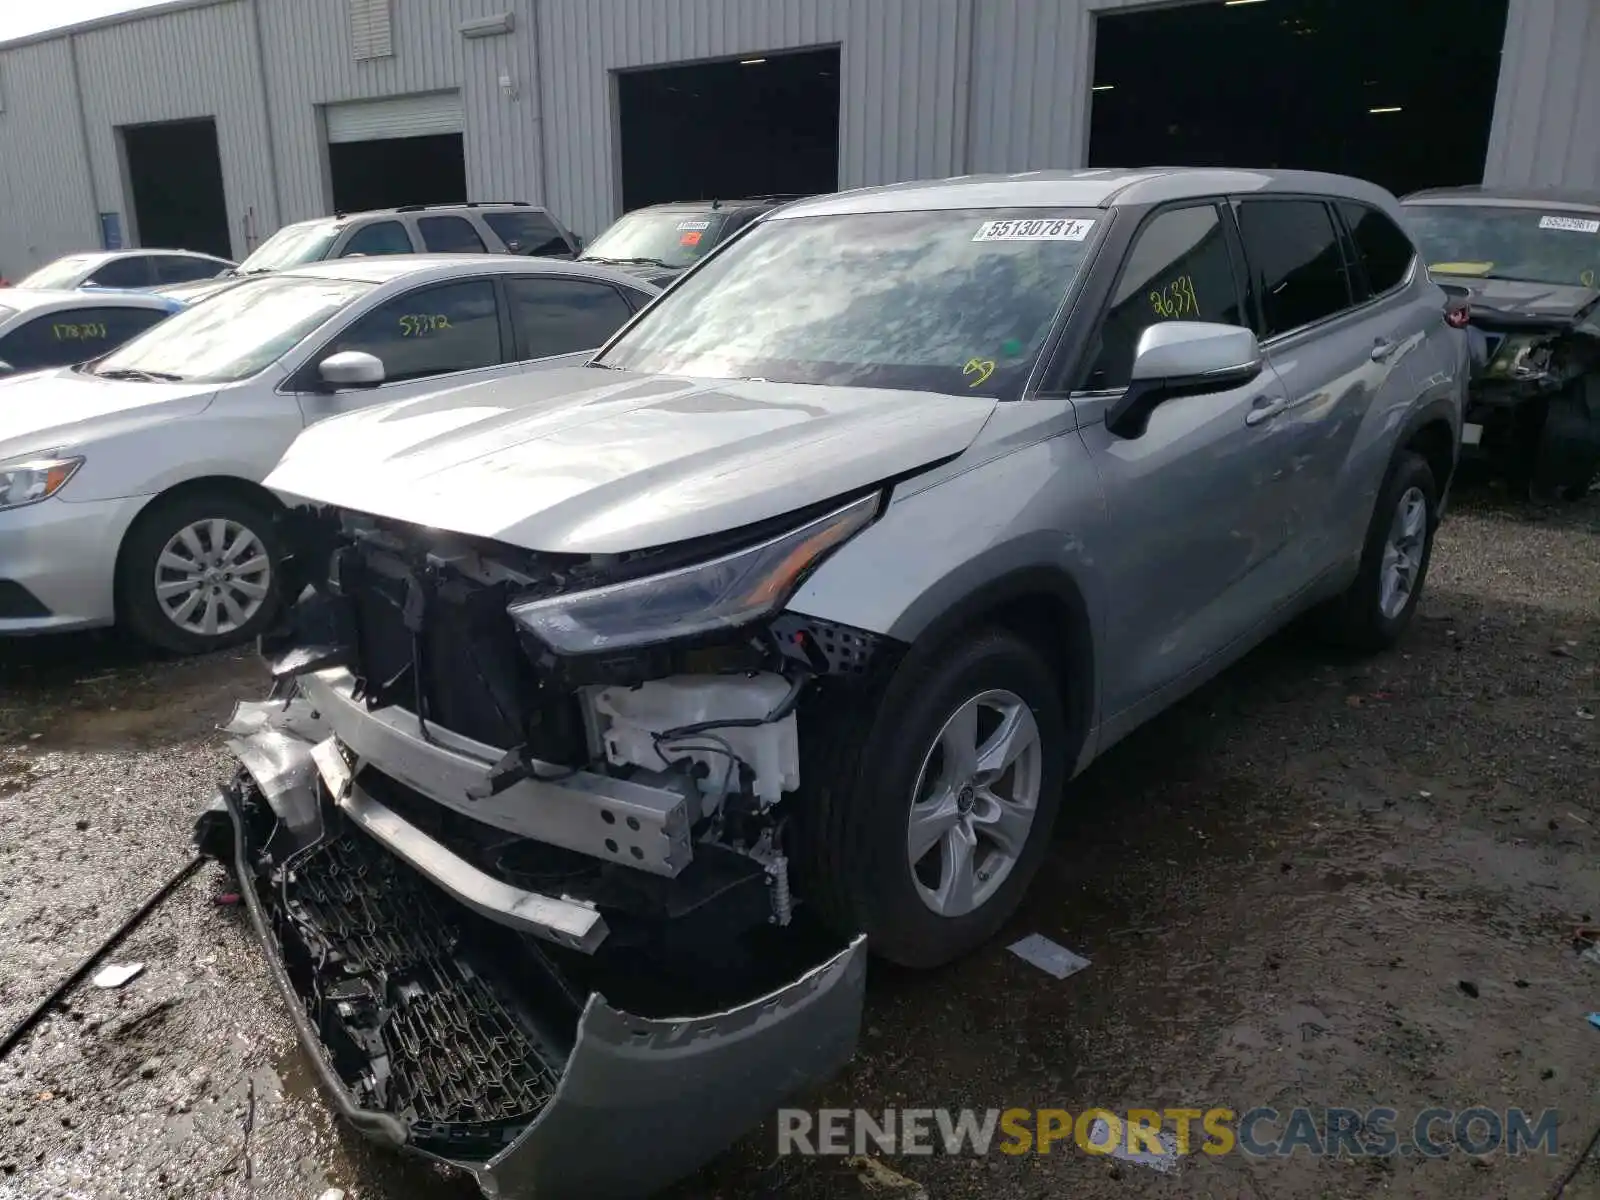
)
(369, 924)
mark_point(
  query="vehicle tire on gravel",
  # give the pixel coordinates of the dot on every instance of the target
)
(1375, 610)
(929, 806)
(199, 570)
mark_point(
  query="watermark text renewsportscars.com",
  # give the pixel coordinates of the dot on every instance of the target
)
(1258, 1132)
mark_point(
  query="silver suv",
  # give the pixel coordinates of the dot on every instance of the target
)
(487, 227)
(777, 630)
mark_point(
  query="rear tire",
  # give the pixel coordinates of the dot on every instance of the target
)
(199, 571)
(1375, 610)
(970, 746)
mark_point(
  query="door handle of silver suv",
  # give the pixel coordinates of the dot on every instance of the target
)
(1382, 349)
(1265, 410)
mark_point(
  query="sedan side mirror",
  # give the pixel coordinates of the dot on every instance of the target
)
(352, 369)
(1183, 358)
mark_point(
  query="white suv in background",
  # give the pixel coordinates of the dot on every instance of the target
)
(487, 227)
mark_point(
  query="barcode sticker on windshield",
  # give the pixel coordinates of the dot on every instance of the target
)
(1570, 224)
(694, 224)
(1053, 229)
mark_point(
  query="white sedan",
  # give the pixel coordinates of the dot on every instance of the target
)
(126, 269)
(130, 486)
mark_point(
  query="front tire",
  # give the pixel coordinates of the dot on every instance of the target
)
(199, 571)
(1375, 610)
(926, 831)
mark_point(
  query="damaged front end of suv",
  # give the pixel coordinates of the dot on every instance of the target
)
(1535, 397)
(511, 826)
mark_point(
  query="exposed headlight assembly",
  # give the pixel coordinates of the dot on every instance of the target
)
(30, 480)
(1522, 357)
(720, 594)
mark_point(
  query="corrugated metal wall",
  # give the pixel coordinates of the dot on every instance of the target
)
(1547, 109)
(311, 63)
(44, 179)
(196, 63)
(901, 62)
(928, 88)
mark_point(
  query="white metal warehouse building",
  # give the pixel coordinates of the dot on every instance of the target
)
(212, 122)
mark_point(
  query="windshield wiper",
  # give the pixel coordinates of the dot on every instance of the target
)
(649, 262)
(140, 376)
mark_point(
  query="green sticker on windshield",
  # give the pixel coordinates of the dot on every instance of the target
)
(1011, 347)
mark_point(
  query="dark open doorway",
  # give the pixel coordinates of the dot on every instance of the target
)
(175, 175)
(756, 126)
(394, 171)
(1401, 94)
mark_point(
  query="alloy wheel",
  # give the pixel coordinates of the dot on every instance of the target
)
(974, 802)
(1402, 553)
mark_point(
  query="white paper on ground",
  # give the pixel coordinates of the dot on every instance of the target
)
(1165, 1162)
(1048, 956)
(116, 974)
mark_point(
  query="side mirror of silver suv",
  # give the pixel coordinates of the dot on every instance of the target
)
(1183, 358)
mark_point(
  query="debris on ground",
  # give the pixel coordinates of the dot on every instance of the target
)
(1166, 1161)
(114, 975)
(1049, 957)
(879, 1180)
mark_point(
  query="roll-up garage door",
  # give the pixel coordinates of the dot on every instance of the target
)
(395, 117)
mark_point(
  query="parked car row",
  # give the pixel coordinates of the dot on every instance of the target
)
(635, 699)
(157, 449)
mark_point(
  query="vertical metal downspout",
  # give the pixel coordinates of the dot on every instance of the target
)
(966, 54)
(540, 133)
(266, 117)
(83, 142)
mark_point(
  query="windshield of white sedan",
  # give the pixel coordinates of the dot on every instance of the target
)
(1531, 244)
(234, 334)
(657, 238)
(292, 246)
(957, 302)
(63, 273)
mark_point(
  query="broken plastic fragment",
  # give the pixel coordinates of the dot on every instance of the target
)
(1049, 957)
(1166, 1161)
(117, 974)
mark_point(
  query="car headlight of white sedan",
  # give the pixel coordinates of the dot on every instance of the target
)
(35, 478)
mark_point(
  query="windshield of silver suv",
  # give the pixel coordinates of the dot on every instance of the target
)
(1529, 244)
(658, 237)
(944, 301)
(233, 334)
(292, 246)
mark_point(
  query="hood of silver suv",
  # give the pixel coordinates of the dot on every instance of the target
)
(591, 461)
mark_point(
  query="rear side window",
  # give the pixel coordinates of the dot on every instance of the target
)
(174, 268)
(74, 335)
(450, 235)
(1382, 247)
(123, 273)
(559, 316)
(381, 237)
(1179, 269)
(431, 331)
(1297, 266)
(528, 233)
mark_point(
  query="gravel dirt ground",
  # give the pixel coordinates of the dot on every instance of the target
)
(1316, 882)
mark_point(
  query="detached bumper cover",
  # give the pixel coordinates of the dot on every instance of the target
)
(617, 1106)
